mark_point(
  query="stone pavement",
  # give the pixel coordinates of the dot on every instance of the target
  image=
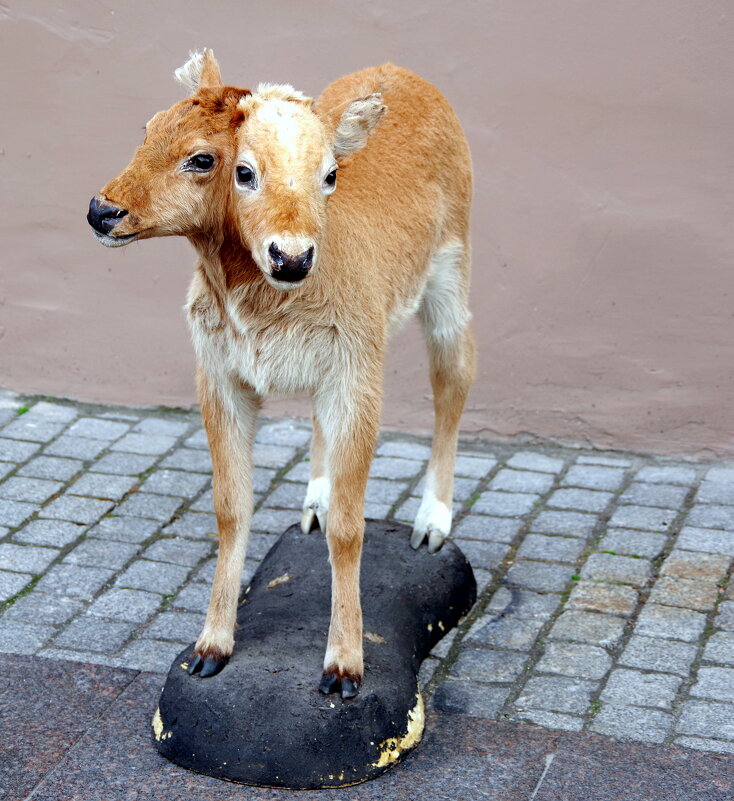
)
(606, 603)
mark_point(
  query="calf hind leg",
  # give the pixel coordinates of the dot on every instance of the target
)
(316, 503)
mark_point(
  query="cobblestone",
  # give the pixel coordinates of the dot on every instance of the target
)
(134, 606)
(585, 661)
(529, 460)
(34, 490)
(26, 558)
(588, 627)
(633, 543)
(630, 687)
(609, 598)
(684, 592)
(706, 540)
(93, 634)
(609, 567)
(646, 653)
(587, 500)
(124, 464)
(714, 682)
(479, 527)
(75, 447)
(98, 553)
(554, 549)
(669, 622)
(703, 718)
(52, 467)
(646, 518)
(594, 477)
(574, 524)
(38, 606)
(540, 576)
(17, 451)
(124, 529)
(76, 509)
(557, 694)
(100, 485)
(633, 723)
(505, 504)
(720, 648)
(521, 481)
(175, 482)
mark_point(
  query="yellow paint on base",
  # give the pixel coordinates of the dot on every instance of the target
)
(184, 665)
(430, 627)
(441, 626)
(374, 637)
(158, 726)
(393, 748)
(280, 580)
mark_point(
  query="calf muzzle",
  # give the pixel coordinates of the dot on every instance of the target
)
(104, 216)
(284, 267)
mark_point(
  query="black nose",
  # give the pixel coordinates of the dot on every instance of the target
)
(289, 268)
(104, 216)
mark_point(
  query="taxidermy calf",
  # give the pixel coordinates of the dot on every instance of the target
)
(320, 228)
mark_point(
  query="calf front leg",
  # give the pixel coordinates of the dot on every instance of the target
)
(229, 420)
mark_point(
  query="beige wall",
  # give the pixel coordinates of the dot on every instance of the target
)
(602, 136)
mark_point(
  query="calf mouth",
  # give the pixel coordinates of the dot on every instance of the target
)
(114, 241)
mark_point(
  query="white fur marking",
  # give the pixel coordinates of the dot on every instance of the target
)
(444, 309)
(433, 515)
(190, 73)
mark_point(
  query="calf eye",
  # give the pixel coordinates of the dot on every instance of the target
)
(330, 181)
(246, 176)
(201, 162)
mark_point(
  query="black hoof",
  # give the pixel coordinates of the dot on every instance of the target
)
(346, 687)
(206, 666)
(350, 688)
(328, 683)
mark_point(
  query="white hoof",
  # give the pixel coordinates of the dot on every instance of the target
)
(316, 504)
(432, 523)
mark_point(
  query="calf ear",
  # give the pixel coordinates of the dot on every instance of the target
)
(201, 71)
(356, 124)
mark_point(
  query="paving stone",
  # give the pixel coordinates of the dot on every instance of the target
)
(670, 623)
(725, 618)
(666, 475)
(380, 490)
(550, 720)
(205, 573)
(90, 633)
(505, 504)
(634, 723)
(556, 693)
(179, 626)
(179, 551)
(101, 553)
(515, 633)
(630, 687)
(287, 496)
(76, 509)
(702, 539)
(426, 671)
(158, 426)
(275, 456)
(540, 576)
(720, 474)
(17, 451)
(478, 700)
(393, 467)
(443, 646)
(483, 579)
(588, 627)
(464, 489)
(274, 520)
(155, 507)
(528, 460)
(134, 606)
(193, 597)
(149, 444)
(659, 655)
(92, 428)
(713, 492)
(159, 577)
(119, 415)
(23, 638)
(704, 718)
(584, 500)
(484, 555)
(34, 429)
(712, 516)
(668, 496)
(124, 464)
(124, 529)
(13, 513)
(195, 526)
(101, 485)
(676, 591)
(593, 477)
(522, 604)
(75, 447)
(703, 744)
(720, 648)
(495, 529)
(26, 558)
(585, 661)
(301, 472)
(574, 524)
(52, 467)
(716, 683)
(474, 467)
(488, 666)
(32, 490)
(5, 468)
(154, 656)
(75, 581)
(197, 440)
(80, 656)
(12, 583)
(53, 411)
(260, 544)
(57, 533)
(624, 569)
(283, 432)
(554, 549)
(633, 543)
(521, 481)
(38, 606)
(613, 599)
(604, 460)
(190, 459)
(646, 518)
(405, 449)
(175, 482)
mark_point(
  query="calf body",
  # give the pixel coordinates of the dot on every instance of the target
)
(336, 220)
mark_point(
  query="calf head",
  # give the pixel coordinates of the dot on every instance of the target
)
(178, 181)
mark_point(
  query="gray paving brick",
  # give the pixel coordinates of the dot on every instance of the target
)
(585, 661)
(197, 440)
(178, 551)
(32, 429)
(588, 627)
(702, 567)
(75, 447)
(126, 417)
(260, 544)
(377, 511)
(725, 618)
(556, 693)
(76, 509)
(629, 542)
(92, 428)
(704, 744)
(274, 520)
(194, 525)
(624, 569)
(483, 555)
(101, 553)
(75, 581)
(505, 504)
(666, 475)
(205, 573)
(707, 540)
(554, 549)
(495, 529)
(381, 490)
(488, 666)
(155, 507)
(300, 472)
(13, 513)
(711, 516)
(720, 648)
(58, 533)
(474, 467)
(283, 432)
(26, 558)
(478, 700)
(574, 524)
(154, 656)
(160, 577)
(593, 477)
(540, 576)
(668, 496)
(148, 444)
(39, 606)
(633, 723)
(89, 633)
(426, 671)
(124, 464)
(521, 481)
(275, 456)
(515, 633)
(5, 468)
(12, 583)
(528, 460)
(134, 606)
(659, 655)
(720, 474)
(175, 482)
(612, 599)
(703, 718)
(581, 499)
(16, 451)
(32, 490)
(670, 623)
(713, 492)
(393, 467)
(630, 687)
(53, 411)
(23, 638)
(52, 467)
(405, 449)
(687, 593)
(443, 646)
(716, 683)
(80, 656)
(523, 604)
(124, 529)
(287, 496)
(101, 485)
(179, 626)
(646, 518)
(193, 598)
(550, 720)
(158, 426)
(604, 460)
